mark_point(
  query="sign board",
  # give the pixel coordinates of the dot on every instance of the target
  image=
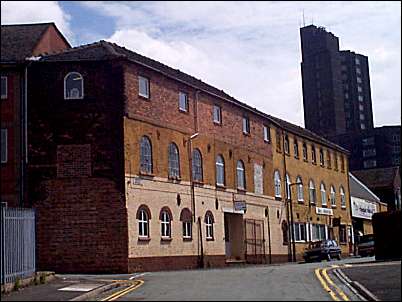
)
(324, 211)
(240, 205)
(258, 179)
(362, 208)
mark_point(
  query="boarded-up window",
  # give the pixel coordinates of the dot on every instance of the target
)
(258, 179)
(73, 160)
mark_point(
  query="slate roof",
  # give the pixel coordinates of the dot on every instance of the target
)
(19, 41)
(360, 189)
(377, 178)
(104, 50)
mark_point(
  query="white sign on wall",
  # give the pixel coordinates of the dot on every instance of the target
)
(324, 211)
(362, 208)
(258, 179)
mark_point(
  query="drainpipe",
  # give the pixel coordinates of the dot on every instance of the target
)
(288, 203)
(201, 258)
(269, 236)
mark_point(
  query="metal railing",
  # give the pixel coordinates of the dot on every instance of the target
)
(17, 243)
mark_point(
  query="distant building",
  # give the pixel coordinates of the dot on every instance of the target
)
(18, 43)
(385, 183)
(337, 101)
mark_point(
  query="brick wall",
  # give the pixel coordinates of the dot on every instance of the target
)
(76, 179)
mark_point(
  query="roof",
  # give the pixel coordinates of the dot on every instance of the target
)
(104, 50)
(359, 189)
(18, 41)
(376, 178)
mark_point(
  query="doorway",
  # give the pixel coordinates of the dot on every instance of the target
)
(234, 236)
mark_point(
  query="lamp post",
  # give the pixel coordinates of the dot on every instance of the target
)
(291, 217)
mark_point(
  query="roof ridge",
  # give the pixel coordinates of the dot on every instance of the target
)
(76, 48)
(29, 24)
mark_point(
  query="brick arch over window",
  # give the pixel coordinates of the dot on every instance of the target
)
(185, 215)
(144, 208)
(209, 213)
(167, 210)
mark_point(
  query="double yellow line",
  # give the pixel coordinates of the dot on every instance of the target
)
(136, 284)
(325, 285)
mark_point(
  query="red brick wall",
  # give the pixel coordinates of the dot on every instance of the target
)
(51, 42)
(10, 120)
(80, 228)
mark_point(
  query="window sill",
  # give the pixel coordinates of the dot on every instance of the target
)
(246, 133)
(300, 201)
(305, 160)
(144, 239)
(176, 178)
(218, 123)
(296, 157)
(287, 153)
(184, 111)
(343, 208)
(142, 173)
(220, 187)
(209, 239)
(278, 197)
(198, 182)
(314, 163)
(166, 239)
(187, 239)
(241, 191)
(267, 142)
(144, 97)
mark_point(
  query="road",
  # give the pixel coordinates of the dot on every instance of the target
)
(264, 282)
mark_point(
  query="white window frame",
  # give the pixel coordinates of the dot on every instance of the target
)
(323, 194)
(187, 229)
(246, 125)
(241, 175)
(82, 86)
(333, 197)
(166, 228)
(277, 183)
(300, 192)
(266, 134)
(343, 199)
(312, 192)
(209, 225)
(183, 96)
(5, 95)
(147, 87)
(4, 145)
(144, 221)
(217, 109)
(220, 165)
(288, 188)
(298, 231)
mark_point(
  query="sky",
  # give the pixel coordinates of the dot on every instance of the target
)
(251, 50)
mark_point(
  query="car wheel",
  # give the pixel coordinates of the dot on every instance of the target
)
(328, 257)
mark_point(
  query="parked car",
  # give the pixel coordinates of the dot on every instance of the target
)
(325, 249)
(365, 247)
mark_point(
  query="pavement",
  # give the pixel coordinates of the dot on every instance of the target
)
(285, 282)
(381, 279)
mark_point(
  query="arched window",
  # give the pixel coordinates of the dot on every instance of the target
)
(220, 171)
(185, 218)
(313, 157)
(143, 216)
(287, 151)
(285, 232)
(73, 86)
(197, 165)
(321, 157)
(277, 182)
(333, 199)
(300, 195)
(312, 192)
(174, 161)
(145, 155)
(323, 194)
(165, 218)
(241, 175)
(209, 224)
(343, 199)
(305, 152)
(296, 148)
(288, 189)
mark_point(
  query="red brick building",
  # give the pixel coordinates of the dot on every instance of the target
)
(18, 43)
(135, 166)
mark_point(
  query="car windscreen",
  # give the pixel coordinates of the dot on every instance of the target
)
(366, 238)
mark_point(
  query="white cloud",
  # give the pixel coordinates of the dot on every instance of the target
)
(252, 49)
(13, 12)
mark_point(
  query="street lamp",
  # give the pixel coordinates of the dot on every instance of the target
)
(291, 217)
